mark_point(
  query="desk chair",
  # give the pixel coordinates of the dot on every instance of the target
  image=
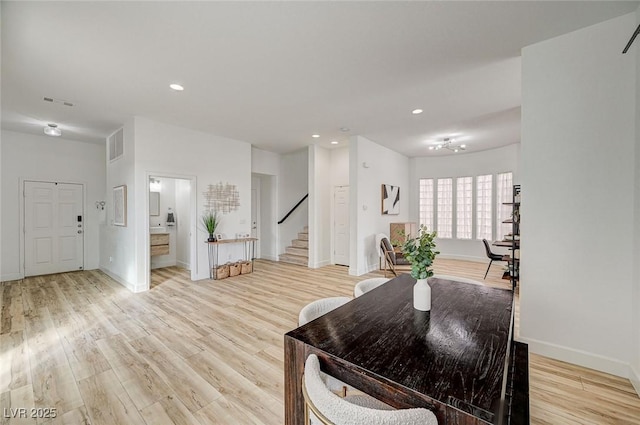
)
(492, 256)
(329, 409)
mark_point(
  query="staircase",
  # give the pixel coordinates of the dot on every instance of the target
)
(298, 252)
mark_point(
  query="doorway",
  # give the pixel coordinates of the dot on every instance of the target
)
(171, 222)
(341, 225)
(53, 227)
(263, 215)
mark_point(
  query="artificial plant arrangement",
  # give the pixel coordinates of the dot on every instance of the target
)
(420, 252)
(211, 221)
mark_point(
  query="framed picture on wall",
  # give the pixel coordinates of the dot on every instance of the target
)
(390, 199)
(120, 205)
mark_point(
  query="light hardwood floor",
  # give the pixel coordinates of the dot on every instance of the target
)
(209, 352)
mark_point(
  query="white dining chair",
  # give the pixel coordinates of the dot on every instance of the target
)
(312, 311)
(367, 285)
(320, 307)
(324, 407)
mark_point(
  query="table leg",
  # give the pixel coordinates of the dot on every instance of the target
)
(294, 358)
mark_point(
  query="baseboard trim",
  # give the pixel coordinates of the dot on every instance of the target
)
(634, 377)
(183, 265)
(578, 357)
(11, 276)
(122, 281)
(484, 260)
(161, 264)
(320, 264)
(269, 257)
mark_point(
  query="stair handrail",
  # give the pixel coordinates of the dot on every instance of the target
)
(293, 209)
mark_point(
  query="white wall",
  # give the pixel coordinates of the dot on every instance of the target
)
(264, 162)
(319, 206)
(163, 149)
(340, 167)
(635, 306)
(183, 223)
(117, 243)
(366, 220)
(27, 156)
(577, 172)
(293, 178)
(469, 164)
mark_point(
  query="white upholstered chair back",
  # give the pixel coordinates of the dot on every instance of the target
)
(367, 285)
(327, 408)
(319, 308)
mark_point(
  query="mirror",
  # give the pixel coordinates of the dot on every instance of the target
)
(154, 203)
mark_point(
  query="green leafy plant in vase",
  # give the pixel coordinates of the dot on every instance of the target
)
(420, 252)
(211, 221)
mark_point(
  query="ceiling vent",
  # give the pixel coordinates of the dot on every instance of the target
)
(60, 101)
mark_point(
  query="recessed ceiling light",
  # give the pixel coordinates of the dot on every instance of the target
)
(176, 87)
(416, 111)
(334, 142)
(52, 130)
(345, 129)
(315, 136)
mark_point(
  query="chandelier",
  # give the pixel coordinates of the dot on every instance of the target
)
(447, 143)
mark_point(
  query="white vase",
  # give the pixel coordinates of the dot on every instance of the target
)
(422, 295)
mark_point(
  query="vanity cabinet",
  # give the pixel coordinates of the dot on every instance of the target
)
(159, 244)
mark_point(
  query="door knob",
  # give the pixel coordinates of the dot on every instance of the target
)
(79, 231)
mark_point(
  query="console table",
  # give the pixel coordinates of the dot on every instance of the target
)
(249, 252)
(458, 360)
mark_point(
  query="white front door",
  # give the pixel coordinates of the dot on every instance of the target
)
(53, 227)
(341, 225)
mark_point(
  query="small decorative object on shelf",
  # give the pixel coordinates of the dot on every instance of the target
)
(420, 252)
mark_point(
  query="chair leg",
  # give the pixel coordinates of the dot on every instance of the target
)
(487, 272)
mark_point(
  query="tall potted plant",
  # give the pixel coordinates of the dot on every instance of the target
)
(211, 221)
(420, 252)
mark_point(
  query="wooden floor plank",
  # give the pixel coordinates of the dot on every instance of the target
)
(194, 391)
(211, 352)
(15, 370)
(107, 401)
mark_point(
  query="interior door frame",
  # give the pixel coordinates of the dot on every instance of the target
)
(193, 255)
(258, 188)
(21, 213)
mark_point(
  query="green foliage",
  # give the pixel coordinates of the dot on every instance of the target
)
(210, 221)
(420, 252)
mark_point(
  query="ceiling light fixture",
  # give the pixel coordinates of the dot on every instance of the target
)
(344, 129)
(52, 130)
(334, 142)
(315, 136)
(176, 87)
(416, 111)
(447, 144)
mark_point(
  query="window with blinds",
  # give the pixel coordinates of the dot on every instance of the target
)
(483, 207)
(444, 212)
(464, 207)
(426, 203)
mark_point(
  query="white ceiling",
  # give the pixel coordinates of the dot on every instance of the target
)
(273, 73)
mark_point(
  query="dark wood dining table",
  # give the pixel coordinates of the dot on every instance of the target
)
(453, 360)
